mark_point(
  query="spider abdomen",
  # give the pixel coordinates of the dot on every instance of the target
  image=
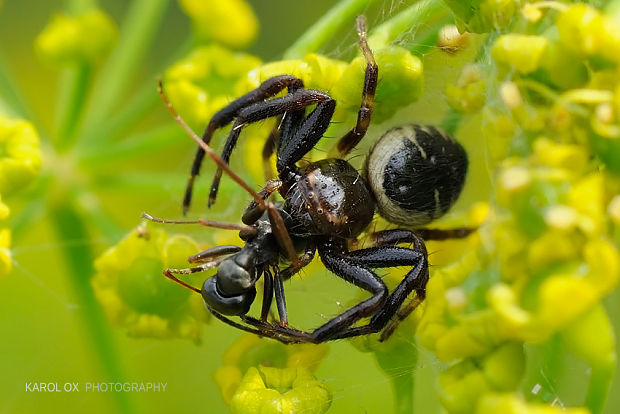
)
(331, 198)
(416, 173)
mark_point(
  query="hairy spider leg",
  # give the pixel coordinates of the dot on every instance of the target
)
(280, 231)
(445, 234)
(414, 280)
(353, 272)
(268, 149)
(355, 135)
(354, 266)
(225, 116)
(293, 103)
(396, 236)
(304, 260)
(286, 124)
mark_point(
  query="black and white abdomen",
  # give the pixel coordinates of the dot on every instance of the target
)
(416, 173)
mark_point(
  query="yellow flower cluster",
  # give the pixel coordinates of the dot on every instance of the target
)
(203, 82)
(137, 297)
(268, 390)
(20, 157)
(231, 23)
(251, 351)
(548, 252)
(69, 40)
(20, 163)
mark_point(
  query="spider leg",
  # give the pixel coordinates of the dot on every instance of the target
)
(336, 260)
(286, 125)
(304, 260)
(444, 234)
(305, 138)
(254, 211)
(224, 116)
(255, 326)
(414, 280)
(396, 236)
(355, 135)
(268, 149)
(206, 148)
(293, 102)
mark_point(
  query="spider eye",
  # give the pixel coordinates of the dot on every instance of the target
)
(228, 305)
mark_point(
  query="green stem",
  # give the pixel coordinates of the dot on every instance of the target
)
(544, 367)
(451, 121)
(326, 27)
(97, 215)
(77, 7)
(139, 28)
(600, 382)
(136, 146)
(79, 257)
(11, 97)
(138, 183)
(72, 96)
(425, 12)
(399, 363)
(135, 111)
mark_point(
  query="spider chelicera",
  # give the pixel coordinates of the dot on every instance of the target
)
(413, 175)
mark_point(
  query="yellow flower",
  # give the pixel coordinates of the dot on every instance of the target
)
(514, 404)
(203, 82)
(20, 157)
(231, 23)
(86, 38)
(6, 262)
(136, 296)
(523, 52)
(250, 351)
(266, 390)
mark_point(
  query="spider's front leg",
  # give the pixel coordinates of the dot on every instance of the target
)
(296, 129)
(354, 267)
(223, 117)
(414, 280)
(336, 259)
(349, 141)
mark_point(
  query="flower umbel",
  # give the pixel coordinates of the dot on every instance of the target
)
(136, 296)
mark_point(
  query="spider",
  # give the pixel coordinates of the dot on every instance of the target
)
(412, 176)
